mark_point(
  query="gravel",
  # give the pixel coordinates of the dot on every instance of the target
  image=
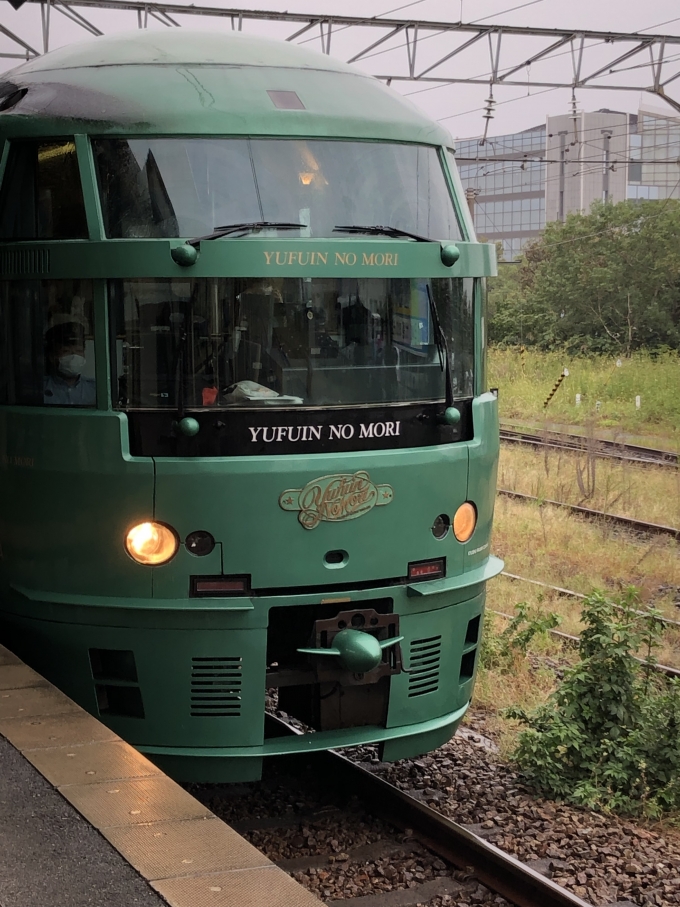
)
(602, 859)
(338, 851)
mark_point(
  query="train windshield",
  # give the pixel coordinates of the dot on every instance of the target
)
(263, 342)
(190, 187)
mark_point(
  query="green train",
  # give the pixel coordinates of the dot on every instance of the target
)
(247, 451)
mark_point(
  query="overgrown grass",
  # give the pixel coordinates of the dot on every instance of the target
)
(649, 493)
(549, 544)
(525, 381)
(521, 681)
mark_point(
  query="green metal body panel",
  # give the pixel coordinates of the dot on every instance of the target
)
(70, 490)
(250, 258)
(205, 84)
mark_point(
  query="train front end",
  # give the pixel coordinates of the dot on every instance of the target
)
(248, 454)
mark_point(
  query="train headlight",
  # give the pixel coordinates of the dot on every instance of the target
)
(151, 543)
(464, 521)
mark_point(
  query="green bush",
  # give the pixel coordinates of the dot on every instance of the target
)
(609, 737)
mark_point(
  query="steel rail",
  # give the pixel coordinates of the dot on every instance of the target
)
(574, 640)
(494, 868)
(598, 447)
(623, 521)
(571, 594)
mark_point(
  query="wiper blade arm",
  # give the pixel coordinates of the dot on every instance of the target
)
(442, 348)
(248, 227)
(378, 230)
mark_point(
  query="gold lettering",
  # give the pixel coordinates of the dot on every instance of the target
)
(282, 260)
(368, 259)
(388, 258)
(380, 258)
(292, 256)
(350, 258)
(300, 258)
(268, 256)
(396, 258)
(341, 258)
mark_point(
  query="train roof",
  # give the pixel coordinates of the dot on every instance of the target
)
(203, 83)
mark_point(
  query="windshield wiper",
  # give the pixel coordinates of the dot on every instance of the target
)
(442, 349)
(378, 230)
(248, 227)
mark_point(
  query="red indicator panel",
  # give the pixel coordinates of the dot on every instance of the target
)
(427, 569)
(217, 586)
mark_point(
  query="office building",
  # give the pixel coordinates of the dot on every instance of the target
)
(519, 182)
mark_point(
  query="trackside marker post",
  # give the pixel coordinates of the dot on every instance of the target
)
(565, 374)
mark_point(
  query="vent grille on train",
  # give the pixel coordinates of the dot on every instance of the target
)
(25, 261)
(424, 658)
(216, 684)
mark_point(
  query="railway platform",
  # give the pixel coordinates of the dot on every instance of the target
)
(87, 821)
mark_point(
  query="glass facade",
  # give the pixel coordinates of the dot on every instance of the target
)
(508, 185)
(508, 175)
(654, 144)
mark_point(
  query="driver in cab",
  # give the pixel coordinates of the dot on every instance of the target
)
(65, 360)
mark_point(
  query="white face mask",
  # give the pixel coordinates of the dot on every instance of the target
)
(71, 366)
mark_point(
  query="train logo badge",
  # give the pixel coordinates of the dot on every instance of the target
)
(333, 499)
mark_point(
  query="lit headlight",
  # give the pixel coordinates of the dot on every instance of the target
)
(464, 521)
(151, 543)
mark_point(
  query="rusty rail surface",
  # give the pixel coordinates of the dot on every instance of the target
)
(598, 447)
(622, 521)
(494, 868)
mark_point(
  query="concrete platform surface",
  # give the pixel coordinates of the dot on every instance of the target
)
(87, 821)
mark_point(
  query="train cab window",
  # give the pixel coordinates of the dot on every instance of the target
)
(41, 196)
(263, 342)
(46, 343)
(189, 187)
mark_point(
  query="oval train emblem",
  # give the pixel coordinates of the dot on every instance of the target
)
(333, 499)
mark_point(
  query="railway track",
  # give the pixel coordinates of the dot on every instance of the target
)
(598, 447)
(574, 640)
(571, 594)
(497, 870)
(639, 526)
(462, 860)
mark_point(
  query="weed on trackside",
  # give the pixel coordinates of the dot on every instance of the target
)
(525, 379)
(608, 736)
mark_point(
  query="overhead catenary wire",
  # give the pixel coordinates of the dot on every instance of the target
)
(435, 34)
(553, 56)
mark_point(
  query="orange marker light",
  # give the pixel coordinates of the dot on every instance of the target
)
(464, 521)
(151, 543)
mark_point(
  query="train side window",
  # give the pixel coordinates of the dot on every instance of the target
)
(41, 195)
(46, 343)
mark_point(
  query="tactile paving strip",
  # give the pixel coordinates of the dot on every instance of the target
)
(130, 802)
(18, 676)
(190, 857)
(91, 763)
(34, 702)
(269, 887)
(58, 730)
(162, 850)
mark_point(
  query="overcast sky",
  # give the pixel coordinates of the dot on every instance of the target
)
(458, 107)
